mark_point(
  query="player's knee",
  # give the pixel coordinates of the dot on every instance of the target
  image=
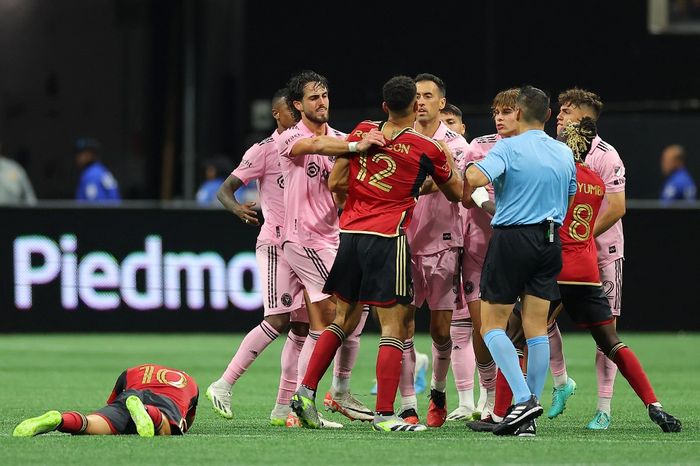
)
(279, 322)
(300, 329)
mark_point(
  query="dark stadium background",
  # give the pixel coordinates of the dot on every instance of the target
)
(165, 84)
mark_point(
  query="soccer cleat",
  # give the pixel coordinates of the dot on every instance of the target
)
(47, 422)
(462, 413)
(521, 413)
(347, 405)
(480, 404)
(278, 416)
(482, 425)
(420, 382)
(600, 421)
(292, 420)
(220, 398)
(527, 429)
(395, 424)
(304, 405)
(490, 404)
(559, 397)
(437, 409)
(137, 411)
(373, 390)
(328, 424)
(409, 415)
(667, 422)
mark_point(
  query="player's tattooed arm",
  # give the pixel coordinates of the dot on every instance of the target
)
(226, 196)
(338, 180)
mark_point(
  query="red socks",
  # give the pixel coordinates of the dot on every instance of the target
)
(632, 370)
(388, 373)
(72, 423)
(324, 352)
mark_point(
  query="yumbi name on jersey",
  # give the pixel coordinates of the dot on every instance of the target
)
(587, 188)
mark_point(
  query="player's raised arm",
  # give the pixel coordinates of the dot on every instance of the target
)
(333, 147)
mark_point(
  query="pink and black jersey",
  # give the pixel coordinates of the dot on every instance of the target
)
(437, 223)
(261, 162)
(384, 181)
(311, 216)
(606, 162)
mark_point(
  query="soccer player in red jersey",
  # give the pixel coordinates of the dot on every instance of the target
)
(148, 399)
(373, 262)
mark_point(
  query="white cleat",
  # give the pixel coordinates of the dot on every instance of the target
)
(462, 413)
(349, 406)
(220, 398)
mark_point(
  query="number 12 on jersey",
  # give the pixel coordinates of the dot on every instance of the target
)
(376, 180)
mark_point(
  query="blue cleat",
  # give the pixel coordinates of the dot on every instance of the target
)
(601, 421)
(559, 397)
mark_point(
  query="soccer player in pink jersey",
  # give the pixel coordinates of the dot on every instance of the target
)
(311, 233)
(436, 237)
(463, 361)
(604, 160)
(283, 299)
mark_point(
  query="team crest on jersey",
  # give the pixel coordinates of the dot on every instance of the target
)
(324, 174)
(312, 170)
(468, 287)
(286, 300)
(280, 181)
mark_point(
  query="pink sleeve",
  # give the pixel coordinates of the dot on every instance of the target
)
(610, 168)
(287, 141)
(252, 166)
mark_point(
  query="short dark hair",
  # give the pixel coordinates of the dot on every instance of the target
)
(534, 103)
(87, 144)
(282, 93)
(431, 77)
(296, 84)
(399, 93)
(577, 97)
(452, 109)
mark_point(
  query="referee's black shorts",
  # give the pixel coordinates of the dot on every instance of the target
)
(520, 260)
(371, 269)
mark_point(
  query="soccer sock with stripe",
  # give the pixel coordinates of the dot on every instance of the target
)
(326, 347)
(252, 345)
(632, 370)
(606, 371)
(346, 356)
(441, 364)
(537, 363)
(289, 362)
(388, 374)
(487, 374)
(305, 354)
(463, 362)
(506, 359)
(407, 386)
(73, 422)
(557, 363)
(156, 416)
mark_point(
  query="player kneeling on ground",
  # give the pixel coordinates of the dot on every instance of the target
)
(148, 399)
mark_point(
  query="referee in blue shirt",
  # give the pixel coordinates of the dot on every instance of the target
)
(534, 178)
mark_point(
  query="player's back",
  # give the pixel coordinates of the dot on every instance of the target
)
(385, 181)
(173, 383)
(579, 255)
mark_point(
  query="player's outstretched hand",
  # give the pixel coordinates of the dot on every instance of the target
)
(246, 213)
(373, 138)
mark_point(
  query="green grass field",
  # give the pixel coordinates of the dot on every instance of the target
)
(42, 372)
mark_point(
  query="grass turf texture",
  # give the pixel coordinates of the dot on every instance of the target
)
(77, 372)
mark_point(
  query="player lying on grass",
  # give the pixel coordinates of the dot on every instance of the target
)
(148, 399)
(579, 283)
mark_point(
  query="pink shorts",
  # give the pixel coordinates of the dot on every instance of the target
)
(281, 289)
(471, 276)
(436, 280)
(611, 279)
(311, 266)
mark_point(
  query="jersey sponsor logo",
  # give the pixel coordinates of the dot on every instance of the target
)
(245, 163)
(618, 182)
(287, 300)
(266, 141)
(446, 236)
(292, 138)
(612, 250)
(312, 170)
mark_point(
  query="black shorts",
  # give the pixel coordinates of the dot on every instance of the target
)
(371, 269)
(586, 305)
(520, 260)
(117, 415)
